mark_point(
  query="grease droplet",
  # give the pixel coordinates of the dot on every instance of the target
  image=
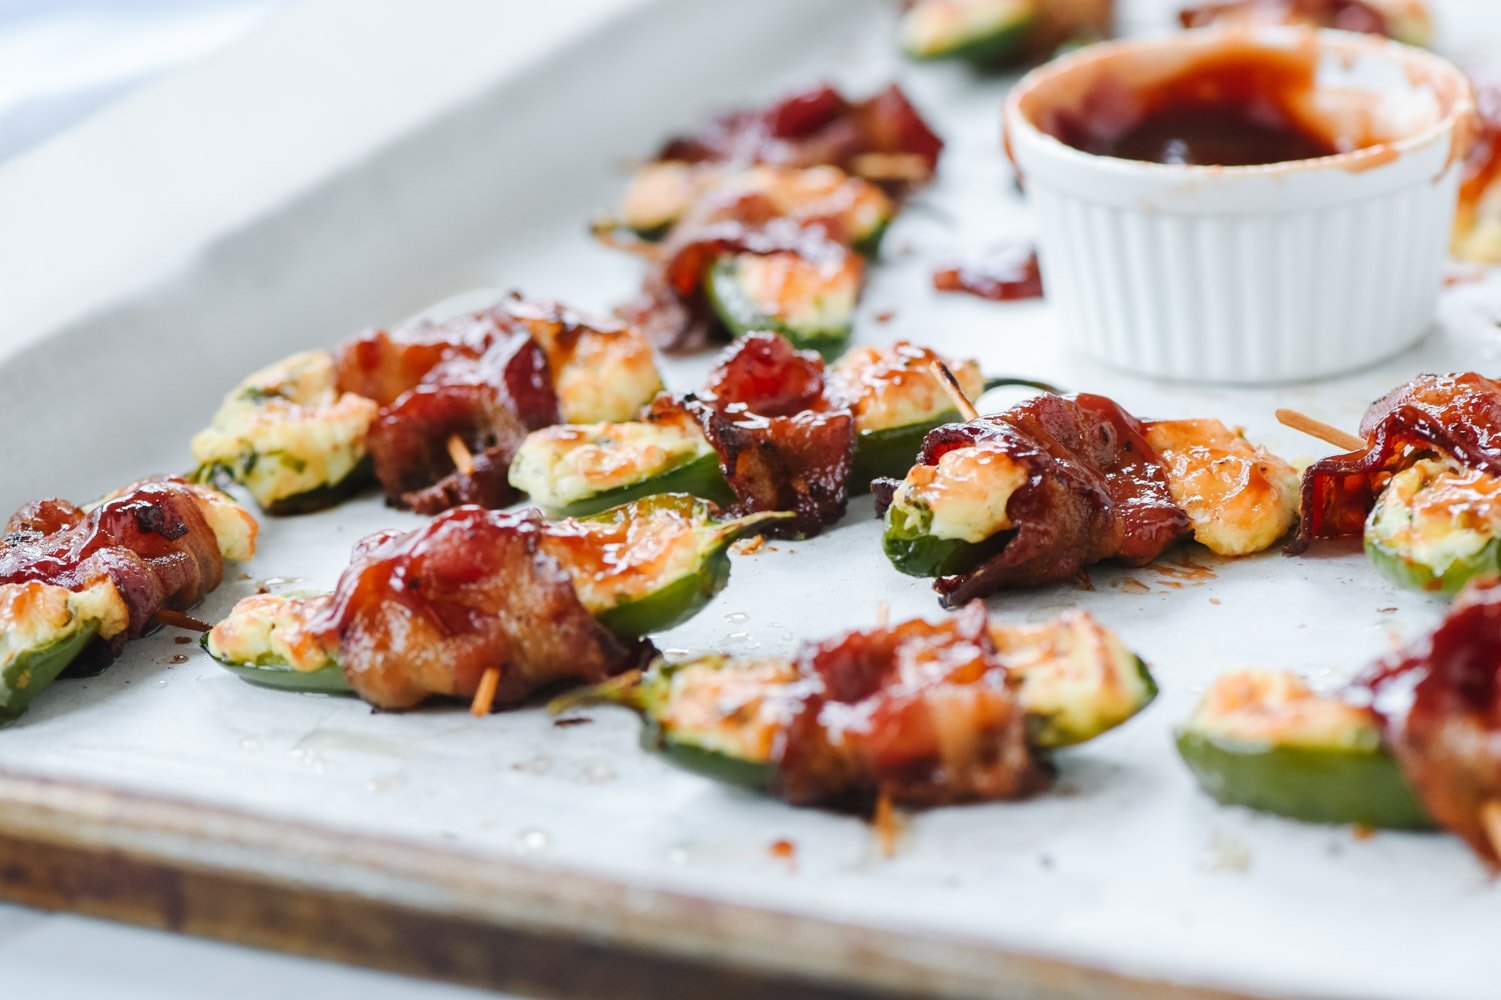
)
(532, 840)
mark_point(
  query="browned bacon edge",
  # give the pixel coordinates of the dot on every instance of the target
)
(1454, 415)
(921, 714)
(427, 612)
(783, 442)
(1439, 700)
(150, 540)
(817, 126)
(1095, 490)
(483, 378)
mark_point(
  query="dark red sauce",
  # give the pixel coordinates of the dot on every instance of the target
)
(1006, 273)
(1217, 135)
(1240, 106)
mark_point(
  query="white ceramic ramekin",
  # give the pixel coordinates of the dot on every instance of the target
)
(1254, 274)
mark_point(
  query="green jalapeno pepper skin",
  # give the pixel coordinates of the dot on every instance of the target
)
(734, 309)
(1047, 732)
(33, 670)
(311, 501)
(359, 478)
(324, 680)
(282, 676)
(678, 600)
(760, 776)
(869, 245)
(665, 606)
(890, 452)
(694, 751)
(991, 46)
(1408, 571)
(1335, 785)
(699, 477)
(916, 552)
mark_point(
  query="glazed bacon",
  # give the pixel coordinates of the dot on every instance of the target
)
(1458, 416)
(921, 714)
(484, 378)
(784, 443)
(1347, 15)
(1439, 700)
(673, 310)
(425, 613)
(882, 138)
(1095, 490)
(151, 540)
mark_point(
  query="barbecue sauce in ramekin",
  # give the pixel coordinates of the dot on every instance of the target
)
(1236, 106)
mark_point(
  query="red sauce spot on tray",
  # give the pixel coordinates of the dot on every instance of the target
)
(1006, 273)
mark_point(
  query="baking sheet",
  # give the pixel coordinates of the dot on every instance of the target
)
(1123, 870)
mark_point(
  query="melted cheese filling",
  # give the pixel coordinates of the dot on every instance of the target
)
(1240, 498)
(286, 430)
(613, 564)
(803, 294)
(1074, 672)
(271, 630)
(966, 494)
(737, 708)
(894, 387)
(1437, 515)
(35, 616)
(605, 376)
(1278, 708)
(559, 466)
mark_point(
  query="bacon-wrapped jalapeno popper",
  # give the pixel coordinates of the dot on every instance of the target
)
(1410, 743)
(1425, 491)
(919, 713)
(426, 612)
(303, 433)
(890, 393)
(1043, 490)
(765, 217)
(77, 583)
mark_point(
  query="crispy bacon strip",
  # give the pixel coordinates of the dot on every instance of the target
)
(483, 378)
(427, 612)
(819, 126)
(1095, 490)
(672, 309)
(1454, 415)
(1439, 700)
(783, 443)
(151, 540)
(920, 714)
